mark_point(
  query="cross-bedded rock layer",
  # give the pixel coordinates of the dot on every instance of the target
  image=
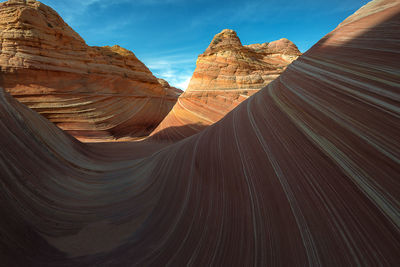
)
(228, 65)
(92, 92)
(303, 173)
(226, 74)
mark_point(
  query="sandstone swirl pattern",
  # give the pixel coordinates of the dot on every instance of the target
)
(226, 74)
(303, 173)
(92, 92)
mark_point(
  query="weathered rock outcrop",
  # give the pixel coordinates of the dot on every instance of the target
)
(92, 92)
(303, 173)
(169, 90)
(228, 65)
(226, 74)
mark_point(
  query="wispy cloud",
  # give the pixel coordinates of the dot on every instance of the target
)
(168, 35)
(175, 65)
(253, 11)
(175, 78)
(73, 11)
(247, 11)
(177, 69)
(71, 8)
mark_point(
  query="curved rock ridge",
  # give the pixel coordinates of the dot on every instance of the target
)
(303, 173)
(91, 92)
(226, 74)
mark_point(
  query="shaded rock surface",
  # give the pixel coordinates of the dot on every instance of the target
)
(226, 74)
(303, 173)
(171, 91)
(91, 92)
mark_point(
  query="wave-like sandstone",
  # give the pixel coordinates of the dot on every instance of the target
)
(91, 92)
(226, 74)
(303, 173)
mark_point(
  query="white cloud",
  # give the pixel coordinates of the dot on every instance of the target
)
(176, 69)
(174, 65)
(73, 10)
(178, 78)
(184, 83)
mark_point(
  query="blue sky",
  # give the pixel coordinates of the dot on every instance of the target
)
(168, 35)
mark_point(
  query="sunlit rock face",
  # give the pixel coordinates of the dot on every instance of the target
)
(92, 92)
(226, 74)
(228, 65)
(303, 173)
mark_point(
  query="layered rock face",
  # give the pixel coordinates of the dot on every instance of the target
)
(91, 92)
(303, 173)
(226, 74)
(170, 91)
(228, 65)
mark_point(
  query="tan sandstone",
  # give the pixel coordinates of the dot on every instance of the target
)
(91, 92)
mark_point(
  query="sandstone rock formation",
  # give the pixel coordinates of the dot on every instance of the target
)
(171, 91)
(303, 173)
(92, 92)
(228, 65)
(226, 74)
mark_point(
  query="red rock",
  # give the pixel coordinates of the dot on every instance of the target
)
(171, 91)
(226, 74)
(91, 92)
(303, 173)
